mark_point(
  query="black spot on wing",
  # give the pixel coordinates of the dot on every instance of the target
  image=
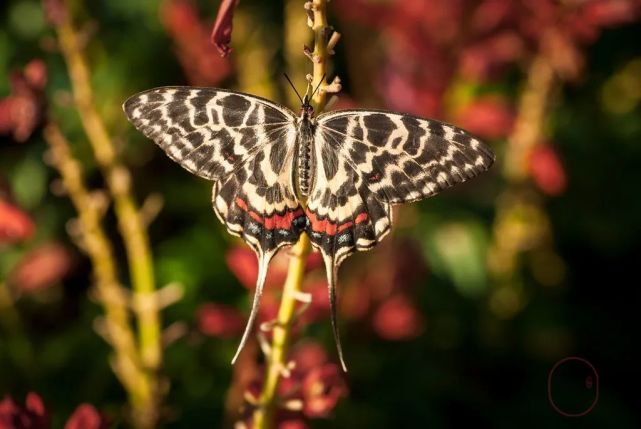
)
(436, 128)
(358, 152)
(252, 118)
(248, 139)
(414, 135)
(338, 124)
(234, 109)
(329, 159)
(379, 128)
(277, 154)
(433, 150)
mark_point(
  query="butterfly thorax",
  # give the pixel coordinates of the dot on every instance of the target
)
(304, 153)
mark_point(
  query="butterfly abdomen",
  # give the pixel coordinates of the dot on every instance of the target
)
(304, 156)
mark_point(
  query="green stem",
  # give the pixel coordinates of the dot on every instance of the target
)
(276, 360)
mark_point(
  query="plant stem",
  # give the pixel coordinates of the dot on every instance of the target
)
(276, 360)
(530, 122)
(521, 223)
(130, 223)
(94, 241)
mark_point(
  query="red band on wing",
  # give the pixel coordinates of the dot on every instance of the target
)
(275, 221)
(325, 226)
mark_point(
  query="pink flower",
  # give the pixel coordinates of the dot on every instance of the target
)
(41, 268)
(243, 263)
(221, 34)
(220, 320)
(546, 170)
(22, 111)
(32, 415)
(308, 355)
(294, 423)
(199, 59)
(15, 225)
(86, 417)
(55, 11)
(397, 318)
(323, 386)
(489, 117)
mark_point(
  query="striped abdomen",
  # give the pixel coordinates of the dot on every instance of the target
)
(305, 156)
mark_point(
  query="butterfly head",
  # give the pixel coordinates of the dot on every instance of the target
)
(306, 109)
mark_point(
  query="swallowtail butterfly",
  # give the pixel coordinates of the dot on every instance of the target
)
(277, 174)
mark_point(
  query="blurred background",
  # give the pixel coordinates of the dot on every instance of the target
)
(458, 317)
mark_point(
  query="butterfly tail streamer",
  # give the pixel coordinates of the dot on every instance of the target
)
(331, 267)
(263, 263)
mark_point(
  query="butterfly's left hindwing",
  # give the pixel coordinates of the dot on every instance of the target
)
(245, 144)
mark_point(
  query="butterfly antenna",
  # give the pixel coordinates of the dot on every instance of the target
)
(318, 86)
(292, 85)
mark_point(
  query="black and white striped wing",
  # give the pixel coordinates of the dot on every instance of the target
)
(245, 144)
(369, 160)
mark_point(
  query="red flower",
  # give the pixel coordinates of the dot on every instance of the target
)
(489, 117)
(221, 34)
(547, 170)
(86, 417)
(22, 111)
(323, 386)
(32, 415)
(295, 423)
(308, 355)
(220, 320)
(198, 57)
(15, 225)
(397, 319)
(243, 263)
(41, 268)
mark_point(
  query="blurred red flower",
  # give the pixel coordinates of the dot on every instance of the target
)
(221, 34)
(15, 225)
(308, 355)
(292, 424)
(23, 109)
(323, 386)
(86, 417)
(397, 318)
(489, 117)
(218, 320)
(32, 415)
(198, 57)
(243, 263)
(547, 170)
(41, 268)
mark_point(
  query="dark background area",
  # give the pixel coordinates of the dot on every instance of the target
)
(462, 361)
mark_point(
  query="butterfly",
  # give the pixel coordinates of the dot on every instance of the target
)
(277, 175)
